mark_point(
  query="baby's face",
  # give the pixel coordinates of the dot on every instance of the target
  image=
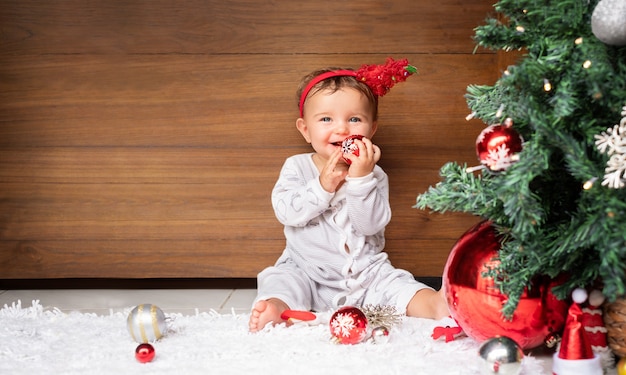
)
(330, 117)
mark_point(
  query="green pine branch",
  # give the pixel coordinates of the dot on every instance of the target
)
(460, 191)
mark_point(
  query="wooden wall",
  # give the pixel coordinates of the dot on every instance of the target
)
(142, 138)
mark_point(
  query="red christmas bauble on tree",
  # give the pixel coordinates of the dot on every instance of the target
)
(348, 325)
(497, 146)
(476, 303)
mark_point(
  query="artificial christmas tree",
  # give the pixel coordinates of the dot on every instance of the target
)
(559, 203)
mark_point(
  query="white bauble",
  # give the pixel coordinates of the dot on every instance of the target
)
(608, 22)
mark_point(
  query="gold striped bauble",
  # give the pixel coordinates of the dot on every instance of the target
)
(146, 323)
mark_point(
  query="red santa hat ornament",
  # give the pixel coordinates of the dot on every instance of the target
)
(575, 356)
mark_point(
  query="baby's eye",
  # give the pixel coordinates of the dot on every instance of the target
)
(325, 119)
(355, 119)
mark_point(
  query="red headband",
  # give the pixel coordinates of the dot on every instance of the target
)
(379, 78)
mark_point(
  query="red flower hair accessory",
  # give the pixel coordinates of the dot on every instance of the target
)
(379, 78)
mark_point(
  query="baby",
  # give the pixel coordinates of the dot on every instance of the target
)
(334, 206)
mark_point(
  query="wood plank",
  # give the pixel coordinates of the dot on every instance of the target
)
(425, 258)
(189, 101)
(122, 221)
(412, 224)
(67, 188)
(200, 166)
(41, 27)
(136, 258)
(141, 202)
(180, 258)
(154, 165)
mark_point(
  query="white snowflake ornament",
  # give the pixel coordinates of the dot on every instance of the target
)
(612, 143)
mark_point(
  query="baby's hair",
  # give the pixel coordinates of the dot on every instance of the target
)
(336, 83)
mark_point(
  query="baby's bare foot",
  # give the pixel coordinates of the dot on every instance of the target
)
(266, 311)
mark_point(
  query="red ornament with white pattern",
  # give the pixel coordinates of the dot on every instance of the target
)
(349, 147)
(497, 146)
(349, 325)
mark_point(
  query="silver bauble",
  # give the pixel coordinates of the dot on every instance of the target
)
(146, 323)
(500, 355)
(380, 335)
(608, 22)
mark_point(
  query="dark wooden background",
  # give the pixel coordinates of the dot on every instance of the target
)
(141, 139)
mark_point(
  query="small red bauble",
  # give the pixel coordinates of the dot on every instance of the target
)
(476, 303)
(348, 325)
(144, 353)
(497, 146)
(349, 147)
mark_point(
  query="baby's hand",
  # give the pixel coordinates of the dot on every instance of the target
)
(334, 173)
(369, 155)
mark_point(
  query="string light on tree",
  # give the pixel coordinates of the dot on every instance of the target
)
(589, 183)
(500, 111)
(547, 86)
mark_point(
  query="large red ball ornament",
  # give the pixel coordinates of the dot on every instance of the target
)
(348, 325)
(497, 146)
(475, 302)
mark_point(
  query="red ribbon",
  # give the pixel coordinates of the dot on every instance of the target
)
(447, 331)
